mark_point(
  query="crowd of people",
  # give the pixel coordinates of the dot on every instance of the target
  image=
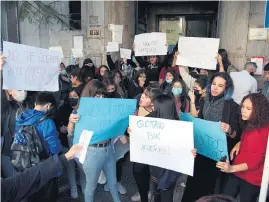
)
(163, 90)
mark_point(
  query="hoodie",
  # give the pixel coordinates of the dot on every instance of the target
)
(46, 130)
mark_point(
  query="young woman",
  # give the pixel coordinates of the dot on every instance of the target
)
(78, 77)
(219, 107)
(101, 72)
(165, 180)
(89, 67)
(141, 171)
(111, 88)
(181, 98)
(99, 156)
(62, 119)
(170, 77)
(138, 85)
(197, 95)
(249, 154)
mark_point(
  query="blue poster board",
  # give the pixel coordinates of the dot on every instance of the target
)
(107, 118)
(209, 139)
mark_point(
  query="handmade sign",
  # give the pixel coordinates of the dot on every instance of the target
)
(30, 68)
(163, 143)
(106, 118)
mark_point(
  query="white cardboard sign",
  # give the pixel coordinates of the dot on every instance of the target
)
(150, 44)
(30, 68)
(125, 53)
(162, 143)
(84, 141)
(112, 47)
(198, 52)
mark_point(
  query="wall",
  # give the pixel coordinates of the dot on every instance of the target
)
(235, 19)
(94, 15)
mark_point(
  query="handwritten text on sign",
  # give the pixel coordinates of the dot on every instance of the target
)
(150, 44)
(198, 52)
(107, 118)
(30, 68)
(209, 139)
(163, 143)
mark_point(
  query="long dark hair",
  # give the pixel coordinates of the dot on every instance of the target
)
(90, 70)
(80, 74)
(164, 84)
(92, 88)
(99, 77)
(223, 53)
(165, 107)
(139, 72)
(184, 95)
(202, 81)
(229, 88)
(260, 112)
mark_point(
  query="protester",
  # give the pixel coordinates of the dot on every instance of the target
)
(225, 63)
(164, 179)
(141, 171)
(15, 104)
(39, 118)
(24, 184)
(111, 88)
(78, 77)
(153, 67)
(249, 154)
(138, 85)
(90, 68)
(69, 69)
(62, 120)
(170, 77)
(179, 92)
(100, 153)
(265, 89)
(101, 72)
(119, 80)
(244, 82)
(219, 107)
(197, 95)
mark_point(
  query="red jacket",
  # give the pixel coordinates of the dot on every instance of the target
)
(252, 152)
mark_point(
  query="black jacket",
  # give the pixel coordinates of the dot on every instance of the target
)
(134, 89)
(26, 183)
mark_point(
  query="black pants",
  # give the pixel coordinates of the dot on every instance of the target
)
(203, 181)
(248, 192)
(119, 165)
(142, 176)
(163, 195)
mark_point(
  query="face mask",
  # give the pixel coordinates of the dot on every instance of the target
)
(176, 91)
(73, 101)
(63, 72)
(251, 73)
(111, 94)
(168, 80)
(20, 95)
(196, 93)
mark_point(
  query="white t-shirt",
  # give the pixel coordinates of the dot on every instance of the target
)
(244, 84)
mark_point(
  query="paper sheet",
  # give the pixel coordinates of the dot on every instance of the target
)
(84, 141)
(112, 47)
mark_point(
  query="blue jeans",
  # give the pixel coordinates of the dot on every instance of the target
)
(98, 159)
(7, 167)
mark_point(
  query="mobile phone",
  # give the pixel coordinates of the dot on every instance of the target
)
(223, 159)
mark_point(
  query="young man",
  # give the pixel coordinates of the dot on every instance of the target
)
(265, 89)
(45, 106)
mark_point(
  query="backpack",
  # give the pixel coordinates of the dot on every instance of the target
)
(31, 152)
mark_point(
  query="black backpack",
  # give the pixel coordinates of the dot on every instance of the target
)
(31, 153)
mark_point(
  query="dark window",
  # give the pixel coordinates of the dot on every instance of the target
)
(75, 15)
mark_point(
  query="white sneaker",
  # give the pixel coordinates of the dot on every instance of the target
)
(121, 189)
(136, 197)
